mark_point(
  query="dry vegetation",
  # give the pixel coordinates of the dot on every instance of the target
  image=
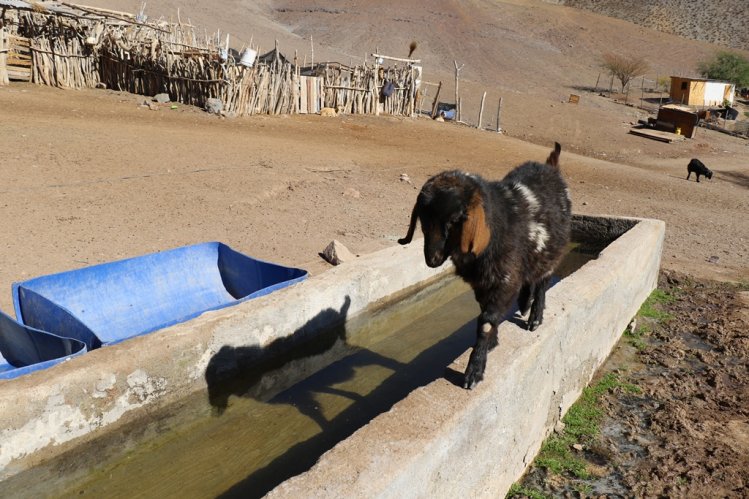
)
(723, 22)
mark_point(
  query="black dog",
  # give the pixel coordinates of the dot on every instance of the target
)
(698, 167)
(505, 239)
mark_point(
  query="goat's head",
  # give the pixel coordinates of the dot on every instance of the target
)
(450, 208)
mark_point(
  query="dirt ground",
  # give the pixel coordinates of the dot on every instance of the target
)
(93, 176)
(684, 430)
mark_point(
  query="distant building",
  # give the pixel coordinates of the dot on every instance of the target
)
(701, 91)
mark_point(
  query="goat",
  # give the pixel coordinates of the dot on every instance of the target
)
(698, 167)
(505, 239)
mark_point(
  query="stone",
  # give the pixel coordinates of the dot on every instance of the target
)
(214, 106)
(161, 98)
(352, 193)
(559, 427)
(336, 253)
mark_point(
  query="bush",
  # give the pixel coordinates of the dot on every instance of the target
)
(726, 66)
(624, 68)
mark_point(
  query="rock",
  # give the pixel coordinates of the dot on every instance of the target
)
(559, 427)
(352, 193)
(161, 98)
(405, 178)
(336, 253)
(713, 259)
(214, 106)
(577, 447)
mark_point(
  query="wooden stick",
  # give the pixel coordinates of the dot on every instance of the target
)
(499, 112)
(481, 111)
(436, 101)
(457, 93)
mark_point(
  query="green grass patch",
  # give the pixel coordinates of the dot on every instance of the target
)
(581, 427)
(636, 337)
(518, 490)
(651, 308)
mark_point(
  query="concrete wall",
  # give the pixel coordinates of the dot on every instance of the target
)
(47, 412)
(443, 441)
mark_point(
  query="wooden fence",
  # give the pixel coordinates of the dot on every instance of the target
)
(83, 47)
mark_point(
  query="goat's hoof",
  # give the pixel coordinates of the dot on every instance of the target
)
(472, 378)
(533, 325)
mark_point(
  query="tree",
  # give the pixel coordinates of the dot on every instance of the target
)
(727, 66)
(624, 68)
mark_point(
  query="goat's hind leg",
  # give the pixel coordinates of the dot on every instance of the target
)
(536, 318)
(525, 298)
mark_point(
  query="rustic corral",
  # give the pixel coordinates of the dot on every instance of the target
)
(72, 46)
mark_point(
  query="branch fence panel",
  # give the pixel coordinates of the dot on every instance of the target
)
(69, 46)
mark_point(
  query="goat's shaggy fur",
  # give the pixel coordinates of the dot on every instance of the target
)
(505, 239)
(698, 167)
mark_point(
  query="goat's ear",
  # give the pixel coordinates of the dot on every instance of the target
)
(476, 233)
(553, 158)
(412, 225)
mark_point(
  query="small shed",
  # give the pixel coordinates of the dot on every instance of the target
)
(672, 117)
(701, 91)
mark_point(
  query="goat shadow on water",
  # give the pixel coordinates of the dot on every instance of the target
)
(237, 371)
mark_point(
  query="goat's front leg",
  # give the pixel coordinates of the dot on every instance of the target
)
(536, 317)
(486, 339)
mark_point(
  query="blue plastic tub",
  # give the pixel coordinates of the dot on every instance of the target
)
(111, 302)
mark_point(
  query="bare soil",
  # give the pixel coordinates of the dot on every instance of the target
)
(685, 432)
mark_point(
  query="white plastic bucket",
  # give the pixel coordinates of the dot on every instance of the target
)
(248, 58)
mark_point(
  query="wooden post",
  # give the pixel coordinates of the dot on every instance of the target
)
(597, 80)
(457, 93)
(312, 48)
(436, 101)
(499, 112)
(611, 85)
(481, 111)
(376, 90)
(642, 93)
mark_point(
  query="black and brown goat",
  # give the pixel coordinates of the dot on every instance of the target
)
(505, 239)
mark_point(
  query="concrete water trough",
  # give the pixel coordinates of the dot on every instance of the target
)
(73, 428)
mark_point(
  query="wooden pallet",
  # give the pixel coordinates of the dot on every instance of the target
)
(657, 135)
(18, 60)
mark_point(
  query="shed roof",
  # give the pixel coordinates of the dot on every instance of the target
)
(701, 79)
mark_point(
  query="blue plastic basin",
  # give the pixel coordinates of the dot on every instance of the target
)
(111, 302)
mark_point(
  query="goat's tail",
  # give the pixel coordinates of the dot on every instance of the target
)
(553, 158)
(411, 227)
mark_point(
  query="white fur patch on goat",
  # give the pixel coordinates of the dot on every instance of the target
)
(538, 234)
(486, 327)
(530, 198)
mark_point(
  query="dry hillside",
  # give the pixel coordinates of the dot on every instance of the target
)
(716, 21)
(531, 53)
